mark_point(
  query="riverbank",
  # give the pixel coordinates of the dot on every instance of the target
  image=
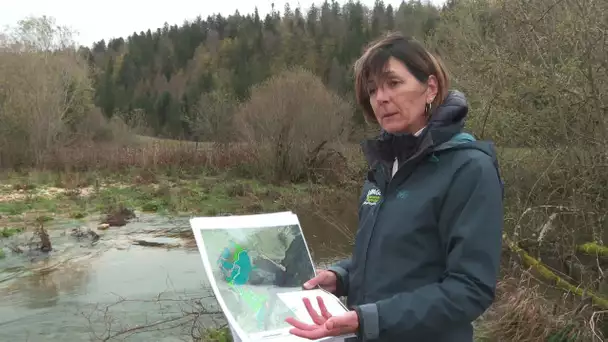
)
(93, 257)
(24, 198)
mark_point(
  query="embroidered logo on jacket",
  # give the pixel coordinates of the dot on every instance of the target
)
(373, 197)
(403, 194)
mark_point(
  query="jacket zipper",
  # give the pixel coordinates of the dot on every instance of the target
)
(385, 193)
(376, 212)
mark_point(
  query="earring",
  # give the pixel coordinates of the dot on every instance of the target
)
(428, 108)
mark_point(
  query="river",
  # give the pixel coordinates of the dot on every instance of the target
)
(113, 288)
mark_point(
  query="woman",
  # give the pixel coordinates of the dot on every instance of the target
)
(427, 249)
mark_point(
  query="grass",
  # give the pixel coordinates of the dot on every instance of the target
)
(524, 312)
(216, 335)
(8, 232)
(49, 195)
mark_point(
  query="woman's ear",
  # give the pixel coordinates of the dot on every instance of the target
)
(432, 89)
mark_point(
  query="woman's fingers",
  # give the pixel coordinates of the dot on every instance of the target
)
(317, 280)
(313, 313)
(324, 312)
(301, 325)
(322, 278)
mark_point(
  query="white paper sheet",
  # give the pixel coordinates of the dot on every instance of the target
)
(256, 265)
(294, 301)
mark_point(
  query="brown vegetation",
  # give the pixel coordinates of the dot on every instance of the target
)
(536, 75)
(537, 78)
(290, 121)
(522, 312)
(46, 97)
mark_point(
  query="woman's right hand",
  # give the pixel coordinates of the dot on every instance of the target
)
(327, 280)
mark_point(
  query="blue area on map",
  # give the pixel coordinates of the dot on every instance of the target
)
(261, 315)
(235, 264)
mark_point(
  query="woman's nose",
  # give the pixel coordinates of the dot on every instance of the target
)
(382, 95)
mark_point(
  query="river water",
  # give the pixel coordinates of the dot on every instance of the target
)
(113, 288)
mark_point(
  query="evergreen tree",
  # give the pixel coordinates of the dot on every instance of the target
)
(165, 71)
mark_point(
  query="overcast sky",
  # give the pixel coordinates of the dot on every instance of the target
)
(119, 18)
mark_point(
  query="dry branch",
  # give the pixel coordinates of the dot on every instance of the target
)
(188, 318)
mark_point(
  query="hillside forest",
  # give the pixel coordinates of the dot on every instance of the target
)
(226, 93)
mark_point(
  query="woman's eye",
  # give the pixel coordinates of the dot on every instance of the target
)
(393, 83)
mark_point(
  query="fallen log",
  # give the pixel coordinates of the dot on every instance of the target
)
(593, 248)
(546, 273)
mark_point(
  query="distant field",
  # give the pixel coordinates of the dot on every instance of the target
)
(147, 140)
(508, 153)
(143, 139)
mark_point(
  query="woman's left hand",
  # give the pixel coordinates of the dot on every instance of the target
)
(324, 324)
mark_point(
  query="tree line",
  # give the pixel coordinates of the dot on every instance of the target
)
(168, 76)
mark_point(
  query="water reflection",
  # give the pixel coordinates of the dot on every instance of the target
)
(43, 288)
(85, 292)
(328, 237)
(103, 295)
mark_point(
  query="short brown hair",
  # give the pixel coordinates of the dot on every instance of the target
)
(418, 60)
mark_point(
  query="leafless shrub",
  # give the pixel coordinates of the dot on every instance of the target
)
(45, 92)
(291, 120)
(41, 95)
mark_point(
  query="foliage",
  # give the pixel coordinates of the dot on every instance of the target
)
(523, 313)
(217, 335)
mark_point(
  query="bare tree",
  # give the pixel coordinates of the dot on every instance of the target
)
(290, 121)
(41, 34)
(45, 90)
(213, 114)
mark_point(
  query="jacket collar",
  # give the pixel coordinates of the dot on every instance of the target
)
(446, 120)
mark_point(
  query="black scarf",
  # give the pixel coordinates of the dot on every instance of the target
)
(400, 146)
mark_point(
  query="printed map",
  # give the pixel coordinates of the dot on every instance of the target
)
(252, 266)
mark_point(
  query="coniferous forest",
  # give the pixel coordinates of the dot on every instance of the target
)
(173, 72)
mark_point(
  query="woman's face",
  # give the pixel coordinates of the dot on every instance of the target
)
(399, 99)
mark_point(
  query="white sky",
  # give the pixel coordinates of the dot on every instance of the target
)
(119, 18)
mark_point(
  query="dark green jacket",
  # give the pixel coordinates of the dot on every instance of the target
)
(428, 246)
